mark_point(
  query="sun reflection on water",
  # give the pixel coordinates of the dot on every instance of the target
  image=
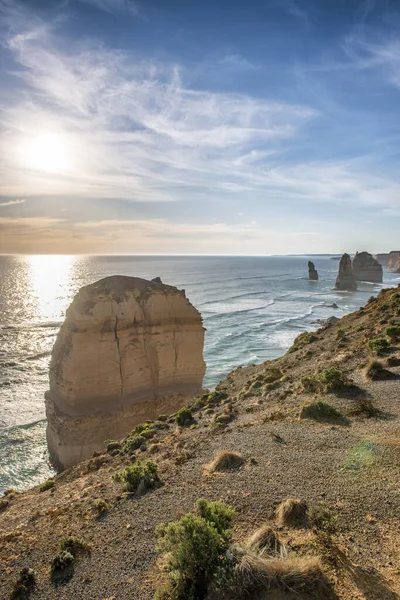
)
(49, 280)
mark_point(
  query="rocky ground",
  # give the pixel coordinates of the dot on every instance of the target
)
(349, 461)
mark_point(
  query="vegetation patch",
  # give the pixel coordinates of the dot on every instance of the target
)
(113, 447)
(363, 406)
(393, 333)
(46, 485)
(225, 461)
(375, 371)
(62, 562)
(303, 340)
(332, 379)
(292, 512)
(139, 477)
(184, 417)
(74, 545)
(321, 411)
(378, 345)
(393, 361)
(133, 442)
(265, 541)
(321, 517)
(24, 584)
(194, 549)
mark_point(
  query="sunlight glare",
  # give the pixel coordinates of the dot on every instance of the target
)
(49, 152)
(50, 278)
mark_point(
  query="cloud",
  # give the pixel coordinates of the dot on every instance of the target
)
(137, 129)
(11, 203)
(114, 6)
(237, 61)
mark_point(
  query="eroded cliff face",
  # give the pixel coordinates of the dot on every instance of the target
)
(394, 261)
(129, 350)
(346, 279)
(367, 268)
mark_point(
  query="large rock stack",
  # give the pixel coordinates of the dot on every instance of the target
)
(367, 268)
(394, 261)
(128, 350)
(346, 279)
(312, 271)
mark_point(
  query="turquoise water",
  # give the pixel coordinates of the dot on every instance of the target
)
(253, 308)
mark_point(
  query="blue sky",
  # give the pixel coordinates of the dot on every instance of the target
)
(213, 127)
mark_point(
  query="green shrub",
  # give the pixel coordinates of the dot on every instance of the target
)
(194, 548)
(46, 485)
(377, 345)
(184, 417)
(310, 384)
(101, 506)
(24, 584)
(62, 561)
(303, 340)
(143, 475)
(341, 334)
(332, 379)
(74, 545)
(363, 406)
(133, 443)
(113, 447)
(320, 411)
(393, 333)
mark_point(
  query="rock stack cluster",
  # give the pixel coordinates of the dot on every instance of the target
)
(128, 350)
(312, 271)
(367, 268)
(346, 279)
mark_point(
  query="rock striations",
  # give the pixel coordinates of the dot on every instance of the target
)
(128, 350)
(367, 268)
(346, 279)
(312, 271)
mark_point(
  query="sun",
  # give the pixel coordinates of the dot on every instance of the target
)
(49, 152)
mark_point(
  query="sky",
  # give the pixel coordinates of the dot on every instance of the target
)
(213, 127)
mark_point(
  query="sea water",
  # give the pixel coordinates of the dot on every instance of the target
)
(253, 308)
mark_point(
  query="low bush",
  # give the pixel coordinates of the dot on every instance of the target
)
(113, 447)
(310, 384)
(194, 549)
(101, 506)
(292, 512)
(139, 477)
(321, 517)
(303, 340)
(393, 361)
(74, 545)
(184, 417)
(363, 406)
(265, 541)
(377, 345)
(62, 561)
(375, 370)
(24, 584)
(46, 485)
(133, 442)
(225, 461)
(332, 379)
(320, 411)
(393, 333)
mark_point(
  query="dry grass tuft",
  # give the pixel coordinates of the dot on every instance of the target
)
(375, 371)
(255, 574)
(265, 541)
(225, 461)
(292, 512)
(393, 361)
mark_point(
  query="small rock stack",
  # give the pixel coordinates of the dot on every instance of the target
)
(312, 271)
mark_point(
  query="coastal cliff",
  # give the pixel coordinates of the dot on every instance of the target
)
(305, 448)
(129, 350)
(367, 268)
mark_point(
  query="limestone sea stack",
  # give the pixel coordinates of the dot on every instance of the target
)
(346, 279)
(367, 268)
(128, 350)
(394, 261)
(312, 271)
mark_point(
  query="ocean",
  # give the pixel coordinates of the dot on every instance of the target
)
(253, 308)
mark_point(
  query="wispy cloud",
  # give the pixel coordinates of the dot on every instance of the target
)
(137, 129)
(114, 6)
(237, 62)
(11, 203)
